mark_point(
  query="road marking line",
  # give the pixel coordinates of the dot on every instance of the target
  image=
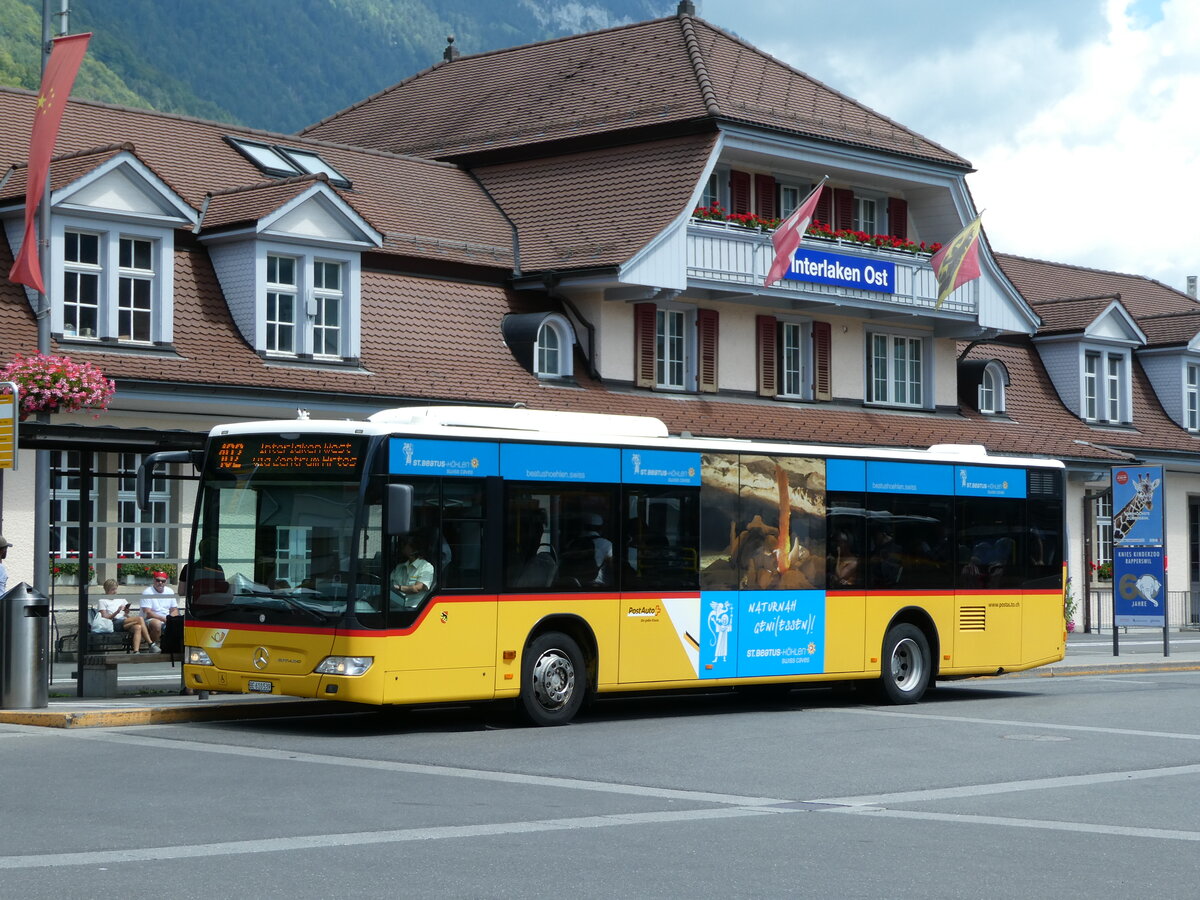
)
(574, 784)
(1079, 827)
(358, 839)
(968, 720)
(1007, 787)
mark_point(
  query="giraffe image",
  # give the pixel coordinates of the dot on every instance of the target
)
(1141, 501)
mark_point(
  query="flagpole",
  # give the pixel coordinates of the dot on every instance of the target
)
(41, 476)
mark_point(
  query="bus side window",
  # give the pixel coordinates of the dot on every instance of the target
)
(660, 544)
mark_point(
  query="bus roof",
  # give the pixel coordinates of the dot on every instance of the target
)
(525, 425)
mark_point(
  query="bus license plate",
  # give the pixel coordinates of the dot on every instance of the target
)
(260, 687)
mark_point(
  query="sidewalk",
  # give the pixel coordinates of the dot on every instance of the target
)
(152, 697)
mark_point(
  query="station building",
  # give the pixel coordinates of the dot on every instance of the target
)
(581, 224)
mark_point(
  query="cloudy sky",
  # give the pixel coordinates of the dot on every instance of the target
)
(1081, 117)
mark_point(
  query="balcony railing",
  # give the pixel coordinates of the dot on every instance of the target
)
(729, 257)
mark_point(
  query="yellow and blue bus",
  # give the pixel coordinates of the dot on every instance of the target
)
(448, 554)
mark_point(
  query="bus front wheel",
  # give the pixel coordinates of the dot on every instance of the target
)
(553, 680)
(907, 667)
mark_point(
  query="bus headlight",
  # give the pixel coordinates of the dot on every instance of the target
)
(344, 665)
(196, 656)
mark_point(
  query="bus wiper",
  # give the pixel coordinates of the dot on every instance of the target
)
(297, 605)
(287, 601)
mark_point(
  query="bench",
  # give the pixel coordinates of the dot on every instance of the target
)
(100, 669)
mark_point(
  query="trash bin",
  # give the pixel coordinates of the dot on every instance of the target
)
(24, 652)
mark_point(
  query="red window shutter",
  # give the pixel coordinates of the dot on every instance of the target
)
(768, 355)
(706, 339)
(739, 192)
(898, 217)
(822, 351)
(824, 209)
(764, 196)
(843, 208)
(644, 324)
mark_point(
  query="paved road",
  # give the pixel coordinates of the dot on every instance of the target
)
(1030, 787)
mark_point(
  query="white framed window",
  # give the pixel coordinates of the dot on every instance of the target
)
(111, 283)
(789, 198)
(143, 532)
(1091, 385)
(1102, 536)
(712, 191)
(1113, 388)
(991, 390)
(82, 273)
(670, 349)
(64, 503)
(135, 289)
(1191, 397)
(866, 214)
(330, 300)
(1106, 386)
(896, 370)
(280, 335)
(553, 348)
(307, 302)
(794, 351)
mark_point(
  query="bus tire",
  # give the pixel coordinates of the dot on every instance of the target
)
(553, 680)
(907, 667)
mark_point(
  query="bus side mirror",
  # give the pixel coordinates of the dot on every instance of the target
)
(145, 472)
(399, 508)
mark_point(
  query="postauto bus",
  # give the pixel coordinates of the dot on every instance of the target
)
(447, 554)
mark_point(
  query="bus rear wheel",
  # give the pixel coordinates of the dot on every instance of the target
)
(907, 667)
(553, 680)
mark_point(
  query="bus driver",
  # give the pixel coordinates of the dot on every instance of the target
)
(412, 578)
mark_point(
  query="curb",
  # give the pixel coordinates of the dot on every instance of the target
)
(166, 715)
(1126, 669)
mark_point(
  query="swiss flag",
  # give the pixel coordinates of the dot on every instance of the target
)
(788, 235)
(57, 80)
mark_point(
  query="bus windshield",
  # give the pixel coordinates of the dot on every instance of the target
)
(282, 547)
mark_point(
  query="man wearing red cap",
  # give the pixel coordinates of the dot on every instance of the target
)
(158, 602)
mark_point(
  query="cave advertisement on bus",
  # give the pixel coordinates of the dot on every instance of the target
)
(762, 566)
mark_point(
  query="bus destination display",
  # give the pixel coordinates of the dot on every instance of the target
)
(313, 455)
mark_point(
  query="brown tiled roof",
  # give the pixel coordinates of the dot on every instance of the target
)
(1044, 426)
(1039, 280)
(65, 168)
(249, 204)
(1170, 329)
(1070, 314)
(427, 209)
(652, 74)
(600, 207)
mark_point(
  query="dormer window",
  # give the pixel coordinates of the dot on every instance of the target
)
(1105, 386)
(111, 287)
(553, 356)
(1191, 398)
(304, 308)
(542, 343)
(991, 390)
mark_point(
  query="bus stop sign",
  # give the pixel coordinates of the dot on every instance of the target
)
(8, 426)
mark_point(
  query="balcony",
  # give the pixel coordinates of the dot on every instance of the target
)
(731, 261)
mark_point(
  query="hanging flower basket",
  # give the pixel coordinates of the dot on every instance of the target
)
(57, 384)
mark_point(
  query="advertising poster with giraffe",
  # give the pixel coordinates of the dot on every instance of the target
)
(1139, 560)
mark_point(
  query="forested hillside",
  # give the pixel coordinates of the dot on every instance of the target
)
(282, 64)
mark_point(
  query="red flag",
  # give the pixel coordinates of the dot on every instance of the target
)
(957, 262)
(787, 236)
(57, 80)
